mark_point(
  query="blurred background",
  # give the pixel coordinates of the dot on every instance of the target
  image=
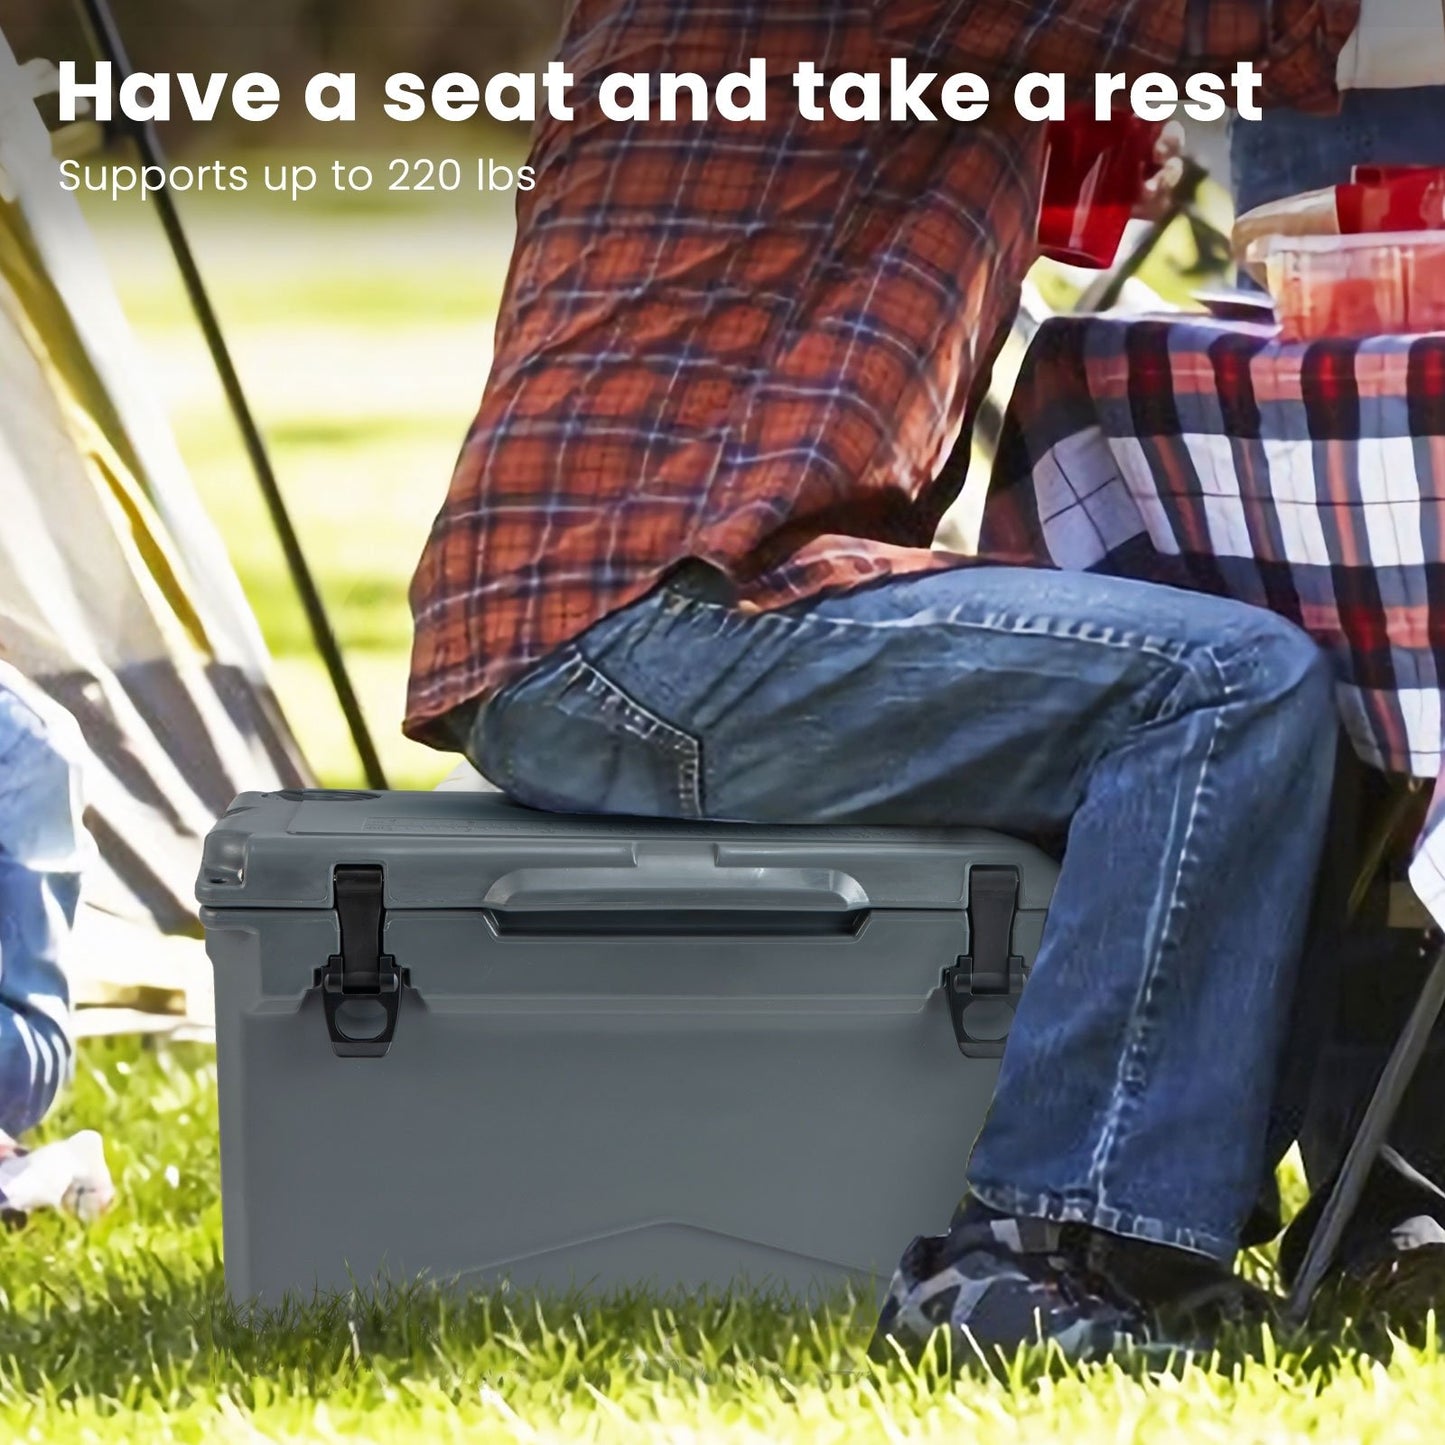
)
(361, 324)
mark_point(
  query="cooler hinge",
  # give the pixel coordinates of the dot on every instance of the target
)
(983, 988)
(361, 986)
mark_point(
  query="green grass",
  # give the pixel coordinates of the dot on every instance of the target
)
(122, 1332)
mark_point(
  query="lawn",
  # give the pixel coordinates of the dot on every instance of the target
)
(122, 1333)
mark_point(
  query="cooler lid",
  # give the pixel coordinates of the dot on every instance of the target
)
(450, 850)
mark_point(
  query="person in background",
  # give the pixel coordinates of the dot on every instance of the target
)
(1392, 75)
(1392, 111)
(685, 569)
(44, 849)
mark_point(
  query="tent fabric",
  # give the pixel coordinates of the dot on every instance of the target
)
(115, 596)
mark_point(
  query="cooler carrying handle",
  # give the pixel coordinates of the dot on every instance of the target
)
(676, 882)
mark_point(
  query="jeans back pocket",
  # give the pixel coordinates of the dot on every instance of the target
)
(567, 739)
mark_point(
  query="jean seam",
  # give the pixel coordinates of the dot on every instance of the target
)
(1091, 1210)
(647, 727)
(1118, 641)
(1131, 1076)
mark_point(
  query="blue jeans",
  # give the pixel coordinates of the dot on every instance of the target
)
(43, 849)
(1184, 743)
(1288, 152)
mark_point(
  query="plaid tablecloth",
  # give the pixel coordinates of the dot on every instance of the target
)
(1306, 479)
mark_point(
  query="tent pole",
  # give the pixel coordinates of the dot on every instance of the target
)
(106, 38)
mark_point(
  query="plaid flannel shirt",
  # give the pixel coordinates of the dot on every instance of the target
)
(756, 343)
(1306, 479)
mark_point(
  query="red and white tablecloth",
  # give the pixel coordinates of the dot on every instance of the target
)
(1309, 479)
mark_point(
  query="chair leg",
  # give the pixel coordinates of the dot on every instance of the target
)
(1369, 1140)
(1398, 822)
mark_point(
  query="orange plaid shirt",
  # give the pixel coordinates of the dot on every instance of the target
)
(756, 343)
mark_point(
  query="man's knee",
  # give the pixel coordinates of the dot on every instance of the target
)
(1285, 664)
(1307, 671)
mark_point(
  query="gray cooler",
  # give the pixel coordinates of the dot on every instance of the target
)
(465, 1040)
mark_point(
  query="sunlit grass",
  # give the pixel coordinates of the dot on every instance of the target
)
(124, 1333)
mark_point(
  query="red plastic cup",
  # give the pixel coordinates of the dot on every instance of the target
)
(1094, 176)
(1391, 201)
(1383, 175)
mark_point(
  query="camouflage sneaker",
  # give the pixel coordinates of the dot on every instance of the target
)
(999, 1285)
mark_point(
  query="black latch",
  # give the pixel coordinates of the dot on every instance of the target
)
(361, 986)
(984, 988)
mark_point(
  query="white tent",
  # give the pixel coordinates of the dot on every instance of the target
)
(116, 595)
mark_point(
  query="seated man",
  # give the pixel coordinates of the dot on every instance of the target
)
(685, 570)
(43, 847)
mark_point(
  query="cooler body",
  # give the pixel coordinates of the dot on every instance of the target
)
(461, 1040)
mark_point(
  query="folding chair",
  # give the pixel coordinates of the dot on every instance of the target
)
(1369, 1140)
(1380, 1114)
